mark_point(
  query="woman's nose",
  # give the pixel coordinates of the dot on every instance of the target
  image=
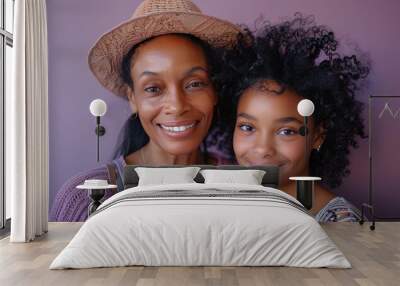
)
(176, 102)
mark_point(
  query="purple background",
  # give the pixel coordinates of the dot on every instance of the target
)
(74, 25)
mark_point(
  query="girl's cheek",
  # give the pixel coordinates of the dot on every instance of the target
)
(238, 145)
(242, 145)
(293, 151)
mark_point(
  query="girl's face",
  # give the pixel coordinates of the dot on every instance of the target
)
(173, 93)
(266, 131)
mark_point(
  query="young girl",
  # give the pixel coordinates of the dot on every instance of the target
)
(268, 76)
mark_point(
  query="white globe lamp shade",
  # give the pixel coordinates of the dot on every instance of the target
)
(98, 107)
(305, 107)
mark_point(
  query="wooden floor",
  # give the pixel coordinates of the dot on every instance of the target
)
(374, 255)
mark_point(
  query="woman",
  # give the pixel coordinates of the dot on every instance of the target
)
(282, 65)
(162, 60)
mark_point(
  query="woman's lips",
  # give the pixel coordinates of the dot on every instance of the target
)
(178, 129)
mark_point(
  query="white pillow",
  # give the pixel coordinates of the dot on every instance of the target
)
(162, 176)
(248, 177)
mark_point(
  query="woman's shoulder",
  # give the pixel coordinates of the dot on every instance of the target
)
(70, 203)
(79, 178)
(102, 172)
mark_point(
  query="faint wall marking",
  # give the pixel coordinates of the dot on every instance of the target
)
(387, 109)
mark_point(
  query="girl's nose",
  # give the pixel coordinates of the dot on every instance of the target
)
(265, 146)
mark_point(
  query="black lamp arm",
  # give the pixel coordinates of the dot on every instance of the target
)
(100, 131)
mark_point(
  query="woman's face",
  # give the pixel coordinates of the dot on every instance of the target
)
(173, 93)
(266, 131)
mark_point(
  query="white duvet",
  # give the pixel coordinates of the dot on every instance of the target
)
(184, 230)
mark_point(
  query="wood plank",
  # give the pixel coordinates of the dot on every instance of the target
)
(374, 255)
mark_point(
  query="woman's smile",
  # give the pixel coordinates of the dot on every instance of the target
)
(178, 129)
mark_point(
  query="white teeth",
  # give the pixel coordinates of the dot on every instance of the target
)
(177, 128)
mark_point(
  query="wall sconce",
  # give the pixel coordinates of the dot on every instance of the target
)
(305, 185)
(98, 108)
(305, 108)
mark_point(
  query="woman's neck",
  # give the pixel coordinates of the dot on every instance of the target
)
(152, 154)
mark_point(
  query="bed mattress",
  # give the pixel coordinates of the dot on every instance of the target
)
(201, 225)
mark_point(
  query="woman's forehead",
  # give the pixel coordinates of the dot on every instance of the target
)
(169, 50)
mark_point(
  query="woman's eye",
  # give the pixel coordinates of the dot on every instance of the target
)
(152, 89)
(196, 84)
(246, 128)
(287, 132)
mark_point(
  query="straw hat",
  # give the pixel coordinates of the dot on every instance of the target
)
(154, 18)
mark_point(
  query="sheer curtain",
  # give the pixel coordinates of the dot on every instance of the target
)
(27, 123)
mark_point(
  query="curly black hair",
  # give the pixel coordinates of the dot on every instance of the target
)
(301, 56)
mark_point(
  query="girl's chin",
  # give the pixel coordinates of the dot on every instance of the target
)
(247, 162)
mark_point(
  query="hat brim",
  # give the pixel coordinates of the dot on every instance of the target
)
(105, 57)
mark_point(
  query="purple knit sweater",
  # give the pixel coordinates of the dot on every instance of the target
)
(71, 204)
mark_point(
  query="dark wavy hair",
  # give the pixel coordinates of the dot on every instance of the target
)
(132, 136)
(301, 56)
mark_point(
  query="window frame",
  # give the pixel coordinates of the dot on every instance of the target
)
(6, 39)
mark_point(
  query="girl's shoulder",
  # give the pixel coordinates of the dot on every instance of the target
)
(338, 209)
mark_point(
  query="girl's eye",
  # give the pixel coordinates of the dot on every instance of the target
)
(246, 128)
(287, 132)
(152, 89)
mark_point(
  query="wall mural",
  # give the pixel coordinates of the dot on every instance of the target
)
(196, 88)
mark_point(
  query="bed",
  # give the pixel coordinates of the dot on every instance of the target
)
(201, 223)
